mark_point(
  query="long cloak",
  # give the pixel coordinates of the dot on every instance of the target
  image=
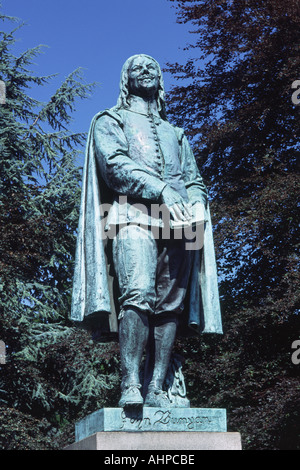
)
(93, 292)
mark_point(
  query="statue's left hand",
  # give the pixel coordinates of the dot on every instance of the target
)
(177, 206)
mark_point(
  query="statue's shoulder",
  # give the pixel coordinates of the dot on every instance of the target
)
(179, 132)
(110, 113)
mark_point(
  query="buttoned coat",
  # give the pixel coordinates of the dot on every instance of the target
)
(110, 170)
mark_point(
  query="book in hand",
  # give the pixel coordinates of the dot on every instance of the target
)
(197, 218)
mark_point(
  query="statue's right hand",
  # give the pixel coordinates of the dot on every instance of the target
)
(178, 208)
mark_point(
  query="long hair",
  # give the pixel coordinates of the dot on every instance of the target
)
(123, 99)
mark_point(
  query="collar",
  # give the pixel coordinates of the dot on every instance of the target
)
(141, 106)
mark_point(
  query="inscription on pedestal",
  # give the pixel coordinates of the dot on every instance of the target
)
(167, 419)
(152, 419)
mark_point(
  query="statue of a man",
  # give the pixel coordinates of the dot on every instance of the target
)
(134, 155)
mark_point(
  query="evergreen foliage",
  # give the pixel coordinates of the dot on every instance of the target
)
(52, 369)
(244, 128)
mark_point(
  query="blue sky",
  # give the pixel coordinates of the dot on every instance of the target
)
(98, 35)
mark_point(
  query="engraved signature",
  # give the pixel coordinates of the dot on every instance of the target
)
(162, 418)
(134, 421)
(191, 422)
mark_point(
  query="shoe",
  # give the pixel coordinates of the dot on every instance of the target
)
(157, 398)
(131, 396)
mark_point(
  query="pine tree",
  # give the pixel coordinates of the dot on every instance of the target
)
(49, 367)
(40, 187)
(244, 128)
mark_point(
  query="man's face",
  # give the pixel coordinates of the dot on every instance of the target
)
(143, 76)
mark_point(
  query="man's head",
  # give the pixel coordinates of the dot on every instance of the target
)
(141, 75)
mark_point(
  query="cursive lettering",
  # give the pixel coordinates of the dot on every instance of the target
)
(134, 421)
(164, 419)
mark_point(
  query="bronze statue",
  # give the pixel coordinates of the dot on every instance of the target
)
(129, 275)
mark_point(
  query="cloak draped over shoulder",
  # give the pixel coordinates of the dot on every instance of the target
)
(92, 281)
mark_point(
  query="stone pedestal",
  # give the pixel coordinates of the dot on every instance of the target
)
(163, 441)
(148, 419)
(155, 429)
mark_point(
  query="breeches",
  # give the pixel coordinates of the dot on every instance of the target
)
(152, 274)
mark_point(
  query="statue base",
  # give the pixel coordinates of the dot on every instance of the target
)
(162, 441)
(151, 419)
(155, 429)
